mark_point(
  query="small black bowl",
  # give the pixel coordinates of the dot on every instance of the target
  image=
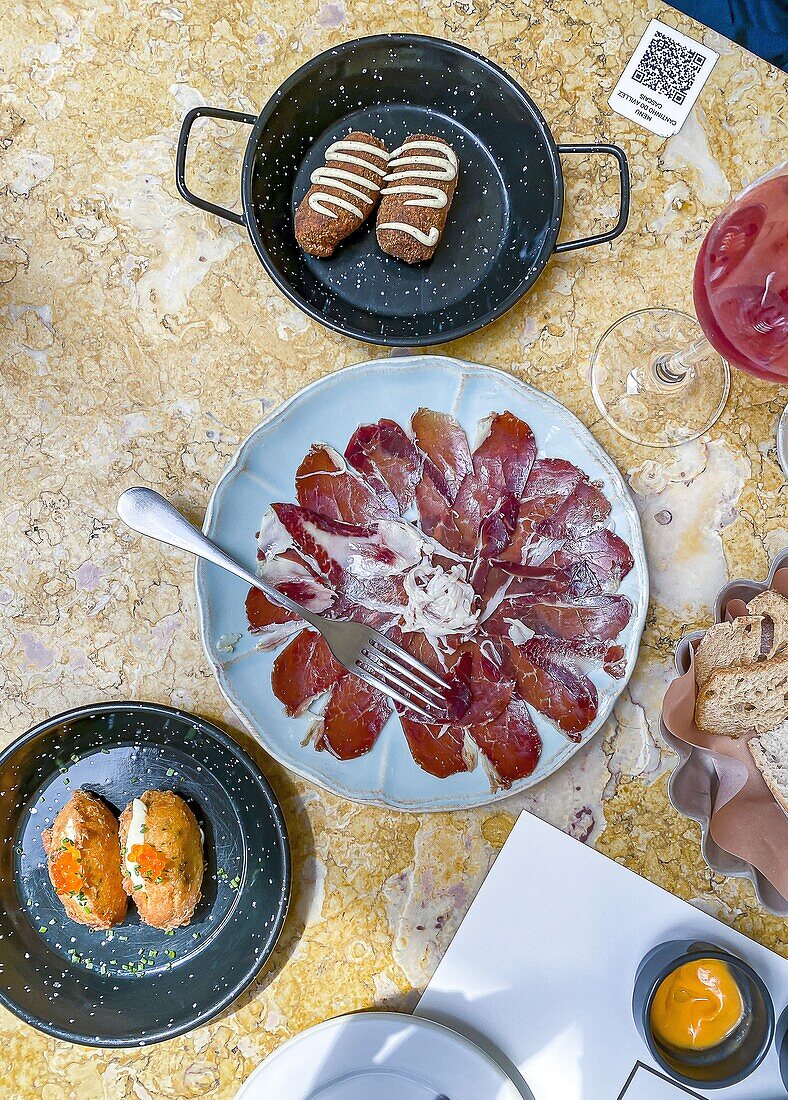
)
(739, 1055)
(781, 1043)
(506, 212)
(136, 985)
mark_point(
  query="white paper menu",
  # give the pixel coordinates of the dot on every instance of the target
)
(541, 971)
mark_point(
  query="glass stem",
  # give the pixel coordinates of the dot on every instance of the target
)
(676, 369)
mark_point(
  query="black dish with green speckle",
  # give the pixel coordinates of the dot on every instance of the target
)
(136, 985)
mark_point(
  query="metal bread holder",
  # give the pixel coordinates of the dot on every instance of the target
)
(693, 784)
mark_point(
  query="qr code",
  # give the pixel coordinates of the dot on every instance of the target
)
(668, 67)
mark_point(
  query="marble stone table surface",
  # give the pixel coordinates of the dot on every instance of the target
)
(140, 341)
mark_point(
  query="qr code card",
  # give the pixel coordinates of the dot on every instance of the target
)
(663, 79)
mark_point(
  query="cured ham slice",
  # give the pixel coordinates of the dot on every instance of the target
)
(273, 623)
(433, 502)
(549, 484)
(511, 743)
(512, 588)
(501, 465)
(494, 535)
(581, 654)
(491, 689)
(292, 576)
(445, 443)
(568, 699)
(325, 484)
(557, 576)
(600, 617)
(363, 563)
(504, 458)
(304, 670)
(606, 556)
(353, 719)
(439, 750)
(586, 509)
(389, 461)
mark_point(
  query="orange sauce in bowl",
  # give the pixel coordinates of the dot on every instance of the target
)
(696, 1006)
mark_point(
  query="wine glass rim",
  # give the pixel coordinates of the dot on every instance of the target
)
(780, 169)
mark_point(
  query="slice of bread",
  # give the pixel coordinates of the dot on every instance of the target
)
(748, 699)
(727, 645)
(770, 753)
(774, 605)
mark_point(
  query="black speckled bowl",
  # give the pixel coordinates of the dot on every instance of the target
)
(504, 219)
(136, 985)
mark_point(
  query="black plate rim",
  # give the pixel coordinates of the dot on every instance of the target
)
(433, 338)
(232, 994)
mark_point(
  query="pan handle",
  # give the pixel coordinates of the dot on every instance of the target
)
(180, 159)
(623, 213)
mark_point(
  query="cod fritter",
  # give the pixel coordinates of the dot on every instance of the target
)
(162, 858)
(83, 858)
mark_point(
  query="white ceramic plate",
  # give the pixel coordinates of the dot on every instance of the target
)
(380, 1056)
(263, 471)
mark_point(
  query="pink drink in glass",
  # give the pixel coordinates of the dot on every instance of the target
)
(741, 281)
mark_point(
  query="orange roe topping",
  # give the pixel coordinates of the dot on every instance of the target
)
(150, 862)
(67, 870)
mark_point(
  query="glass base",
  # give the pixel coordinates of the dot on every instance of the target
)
(649, 405)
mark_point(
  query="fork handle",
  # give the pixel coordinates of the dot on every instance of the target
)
(148, 512)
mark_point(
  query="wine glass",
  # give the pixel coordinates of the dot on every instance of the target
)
(659, 376)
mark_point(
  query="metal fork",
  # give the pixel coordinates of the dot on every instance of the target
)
(362, 650)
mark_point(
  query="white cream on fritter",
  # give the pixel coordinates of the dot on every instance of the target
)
(136, 835)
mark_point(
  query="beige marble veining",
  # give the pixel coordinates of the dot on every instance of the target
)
(140, 341)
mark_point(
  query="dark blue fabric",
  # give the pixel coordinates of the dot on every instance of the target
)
(761, 26)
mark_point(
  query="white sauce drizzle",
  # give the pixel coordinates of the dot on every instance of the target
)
(428, 239)
(440, 603)
(136, 835)
(333, 177)
(444, 167)
(70, 831)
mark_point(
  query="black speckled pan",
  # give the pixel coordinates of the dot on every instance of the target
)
(504, 220)
(136, 985)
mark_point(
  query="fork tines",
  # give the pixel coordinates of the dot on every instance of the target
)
(385, 667)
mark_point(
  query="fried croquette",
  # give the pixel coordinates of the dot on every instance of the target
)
(162, 856)
(83, 858)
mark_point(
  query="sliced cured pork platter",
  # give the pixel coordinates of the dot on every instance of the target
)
(471, 518)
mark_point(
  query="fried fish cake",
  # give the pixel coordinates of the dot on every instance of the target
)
(162, 856)
(83, 857)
